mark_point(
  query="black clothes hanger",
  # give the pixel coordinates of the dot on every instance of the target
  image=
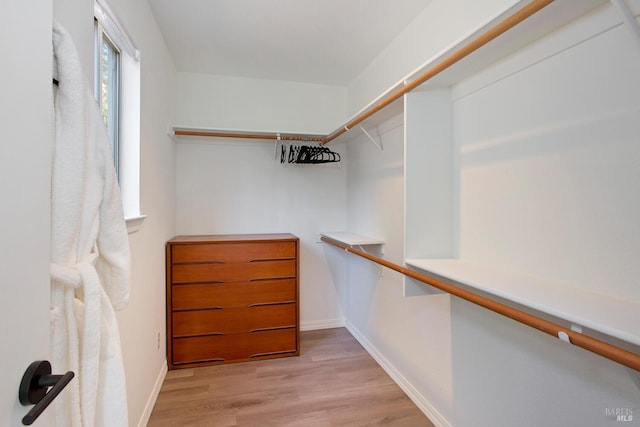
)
(307, 154)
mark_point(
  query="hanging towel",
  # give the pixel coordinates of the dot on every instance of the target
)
(90, 262)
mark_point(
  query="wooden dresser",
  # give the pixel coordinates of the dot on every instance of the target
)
(232, 298)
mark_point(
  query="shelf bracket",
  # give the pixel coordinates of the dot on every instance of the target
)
(564, 337)
(627, 18)
(379, 145)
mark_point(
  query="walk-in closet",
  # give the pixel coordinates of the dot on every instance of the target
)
(439, 227)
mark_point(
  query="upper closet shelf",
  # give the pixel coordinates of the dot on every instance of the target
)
(352, 239)
(615, 317)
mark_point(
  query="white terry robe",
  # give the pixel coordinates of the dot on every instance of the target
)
(90, 260)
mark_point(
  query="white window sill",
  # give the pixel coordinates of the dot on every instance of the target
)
(134, 223)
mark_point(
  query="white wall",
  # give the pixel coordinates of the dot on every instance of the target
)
(224, 102)
(72, 15)
(144, 318)
(229, 187)
(239, 187)
(438, 26)
(411, 336)
(546, 169)
(548, 154)
(549, 166)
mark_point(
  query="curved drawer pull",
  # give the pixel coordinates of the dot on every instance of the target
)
(218, 359)
(264, 279)
(198, 262)
(272, 353)
(277, 328)
(263, 304)
(270, 259)
(208, 282)
(182, 310)
(208, 334)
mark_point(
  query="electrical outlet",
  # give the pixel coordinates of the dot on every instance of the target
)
(158, 340)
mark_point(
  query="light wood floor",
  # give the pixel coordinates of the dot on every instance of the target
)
(334, 382)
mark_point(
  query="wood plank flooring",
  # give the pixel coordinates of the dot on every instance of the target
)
(334, 382)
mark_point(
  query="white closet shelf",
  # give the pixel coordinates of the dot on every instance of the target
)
(615, 317)
(351, 239)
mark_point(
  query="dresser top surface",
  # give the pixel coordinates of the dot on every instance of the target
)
(228, 238)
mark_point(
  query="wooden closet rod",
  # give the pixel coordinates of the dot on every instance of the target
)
(503, 26)
(249, 135)
(617, 354)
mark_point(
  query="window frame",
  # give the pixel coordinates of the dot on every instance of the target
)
(129, 102)
(114, 119)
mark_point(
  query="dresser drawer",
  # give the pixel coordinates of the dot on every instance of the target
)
(267, 343)
(221, 348)
(232, 252)
(260, 270)
(234, 320)
(215, 348)
(226, 295)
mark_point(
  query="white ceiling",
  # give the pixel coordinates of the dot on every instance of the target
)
(313, 41)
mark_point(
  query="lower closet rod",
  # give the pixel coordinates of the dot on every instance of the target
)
(617, 354)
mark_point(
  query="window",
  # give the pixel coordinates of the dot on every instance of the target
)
(117, 90)
(107, 87)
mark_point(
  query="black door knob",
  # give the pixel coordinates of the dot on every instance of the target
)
(33, 388)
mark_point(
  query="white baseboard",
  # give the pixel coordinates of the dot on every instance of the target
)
(146, 414)
(434, 416)
(322, 324)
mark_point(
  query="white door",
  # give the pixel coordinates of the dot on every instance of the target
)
(25, 150)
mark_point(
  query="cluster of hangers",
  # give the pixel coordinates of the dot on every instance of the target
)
(307, 153)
